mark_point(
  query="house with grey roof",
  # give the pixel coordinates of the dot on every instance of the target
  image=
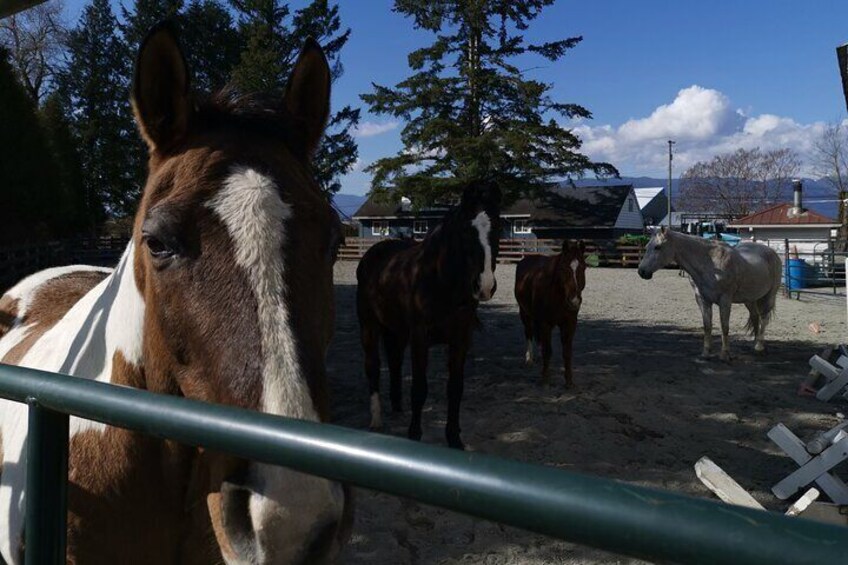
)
(564, 211)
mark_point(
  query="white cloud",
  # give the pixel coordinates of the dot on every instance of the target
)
(370, 129)
(703, 123)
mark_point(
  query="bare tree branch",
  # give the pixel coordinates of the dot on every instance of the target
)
(830, 163)
(35, 39)
(739, 183)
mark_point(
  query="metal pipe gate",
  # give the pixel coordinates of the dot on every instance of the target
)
(602, 513)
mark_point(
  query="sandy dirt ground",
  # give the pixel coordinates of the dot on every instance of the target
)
(645, 408)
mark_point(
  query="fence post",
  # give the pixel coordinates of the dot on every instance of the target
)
(786, 292)
(47, 486)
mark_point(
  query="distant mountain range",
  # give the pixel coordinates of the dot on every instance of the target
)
(818, 195)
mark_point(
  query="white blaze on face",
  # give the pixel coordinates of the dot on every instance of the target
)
(576, 299)
(285, 506)
(483, 225)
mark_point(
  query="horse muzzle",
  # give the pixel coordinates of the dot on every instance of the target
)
(262, 522)
(647, 275)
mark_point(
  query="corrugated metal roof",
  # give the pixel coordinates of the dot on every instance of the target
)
(779, 215)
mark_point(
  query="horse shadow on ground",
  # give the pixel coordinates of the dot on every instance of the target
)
(645, 407)
(642, 387)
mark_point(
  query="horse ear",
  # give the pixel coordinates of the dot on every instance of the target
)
(663, 229)
(581, 247)
(160, 96)
(308, 93)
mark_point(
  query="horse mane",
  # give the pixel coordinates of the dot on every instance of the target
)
(258, 113)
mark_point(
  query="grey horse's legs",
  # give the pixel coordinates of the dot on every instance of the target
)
(707, 314)
(765, 305)
(724, 313)
(756, 324)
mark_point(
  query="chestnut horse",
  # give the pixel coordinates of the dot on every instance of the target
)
(424, 294)
(224, 294)
(549, 293)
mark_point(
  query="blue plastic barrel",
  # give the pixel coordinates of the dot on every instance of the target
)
(797, 273)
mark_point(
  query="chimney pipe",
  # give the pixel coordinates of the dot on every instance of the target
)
(797, 204)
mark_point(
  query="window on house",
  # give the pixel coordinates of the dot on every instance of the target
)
(419, 227)
(521, 227)
(380, 228)
(629, 204)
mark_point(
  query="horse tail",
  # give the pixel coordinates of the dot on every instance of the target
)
(755, 319)
(764, 307)
(768, 311)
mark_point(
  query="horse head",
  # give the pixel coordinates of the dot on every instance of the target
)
(235, 245)
(479, 228)
(573, 263)
(658, 253)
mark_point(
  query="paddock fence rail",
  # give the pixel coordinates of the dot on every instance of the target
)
(611, 515)
(609, 253)
(810, 266)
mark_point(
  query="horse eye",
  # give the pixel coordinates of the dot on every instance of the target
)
(158, 250)
(657, 246)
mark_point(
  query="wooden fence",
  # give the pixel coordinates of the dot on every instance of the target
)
(609, 253)
(18, 261)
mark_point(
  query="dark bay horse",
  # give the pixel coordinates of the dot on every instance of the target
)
(427, 293)
(224, 294)
(549, 294)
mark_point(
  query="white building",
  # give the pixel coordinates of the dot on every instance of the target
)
(806, 231)
(653, 204)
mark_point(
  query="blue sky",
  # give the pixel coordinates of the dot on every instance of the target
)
(712, 75)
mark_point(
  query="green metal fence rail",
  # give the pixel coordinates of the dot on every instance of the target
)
(603, 513)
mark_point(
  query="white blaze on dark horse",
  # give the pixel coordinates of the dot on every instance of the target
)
(224, 294)
(747, 274)
(427, 293)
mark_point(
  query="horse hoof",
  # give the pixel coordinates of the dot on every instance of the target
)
(569, 384)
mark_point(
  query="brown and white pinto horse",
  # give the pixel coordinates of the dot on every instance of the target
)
(549, 293)
(427, 293)
(224, 295)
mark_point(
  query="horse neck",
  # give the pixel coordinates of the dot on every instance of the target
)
(441, 245)
(107, 327)
(690, 252)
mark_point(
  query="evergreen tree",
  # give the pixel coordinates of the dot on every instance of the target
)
(211, 44)
(25, 163)
(70, 205)
(143, 16)
(96, 84)
(471, 113)
(272, 37)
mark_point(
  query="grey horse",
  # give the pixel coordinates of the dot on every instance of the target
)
(747, 274)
